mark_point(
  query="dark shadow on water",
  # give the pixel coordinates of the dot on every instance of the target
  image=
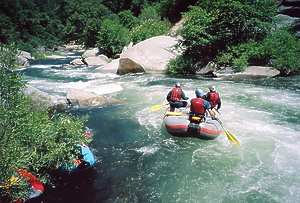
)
(69, 188)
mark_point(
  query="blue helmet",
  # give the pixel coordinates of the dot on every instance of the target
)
(199, 93)
(177, 85)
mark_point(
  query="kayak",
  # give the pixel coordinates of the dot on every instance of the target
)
(182, 124)
(84, 161)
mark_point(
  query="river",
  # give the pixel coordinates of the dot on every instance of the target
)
(137, 161)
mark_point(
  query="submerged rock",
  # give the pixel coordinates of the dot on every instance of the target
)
(82, 98)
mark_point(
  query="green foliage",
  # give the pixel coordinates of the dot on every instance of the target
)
(29, 139)
(181, 65)
(27, 22)
(227, 32)
(279, 49)
(173, 9)
(112, 37)
(128, 20)
(213, 31)
(83, 20)
(148, 13)
(282, 49)
(116, 5)
(148, 29)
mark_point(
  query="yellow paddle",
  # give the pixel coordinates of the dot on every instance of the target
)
(154, 108)
(171, 113)
(230, 136)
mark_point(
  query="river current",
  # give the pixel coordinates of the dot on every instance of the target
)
(137, 161)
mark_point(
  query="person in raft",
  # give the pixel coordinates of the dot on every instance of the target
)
(175, 97)
(199, 106)
(213, 98)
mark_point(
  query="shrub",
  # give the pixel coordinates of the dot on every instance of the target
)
(214, 31)
(283, 51)
(113, 36)
(128, 20)
(29, 138)
(149, 28)
(181, 65)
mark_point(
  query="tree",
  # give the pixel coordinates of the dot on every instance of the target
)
(83, 22)
(30, 24)
(214, 27)
(29, 139)
(150, 25)
(173, 9)
(113, 36)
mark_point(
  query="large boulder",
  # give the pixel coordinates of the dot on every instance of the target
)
(208, 69)
(96, 60)
(152, 54)
(127, 66)
(285, 20)
(90, 53)
(111, 67)
(82, 98)
(41, 99)
(77, 62)
(23, 58)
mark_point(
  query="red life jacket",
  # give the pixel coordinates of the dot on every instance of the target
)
(197, 106)
(213, 99)
(176, 94)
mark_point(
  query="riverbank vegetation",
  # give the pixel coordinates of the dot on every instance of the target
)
(228, 33)
(236, 34)
(29, 138)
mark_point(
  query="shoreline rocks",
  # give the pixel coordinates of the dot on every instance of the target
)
(251, 72)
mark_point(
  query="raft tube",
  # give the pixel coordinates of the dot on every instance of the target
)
(181, 126)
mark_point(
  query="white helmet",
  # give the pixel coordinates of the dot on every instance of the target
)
(177, 85)
(212, 88)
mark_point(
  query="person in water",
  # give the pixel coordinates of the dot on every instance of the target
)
(199, 106)
(213, 98)
(175, 97)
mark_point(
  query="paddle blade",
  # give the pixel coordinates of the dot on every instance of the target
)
(170, 113)
(154, 108)
(231, 138)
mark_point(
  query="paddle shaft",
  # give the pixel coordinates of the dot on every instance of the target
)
(230, 136)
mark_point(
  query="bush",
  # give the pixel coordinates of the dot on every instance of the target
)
(113, 36)
(128, 20)
(214, 31)
(283, 51)
(149, 28)
(181, 65)
(29, 139)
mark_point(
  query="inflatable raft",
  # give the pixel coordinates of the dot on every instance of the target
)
(182, 124)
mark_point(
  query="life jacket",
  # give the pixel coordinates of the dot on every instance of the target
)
(197, 106)
(213, 99)
(175, 94)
